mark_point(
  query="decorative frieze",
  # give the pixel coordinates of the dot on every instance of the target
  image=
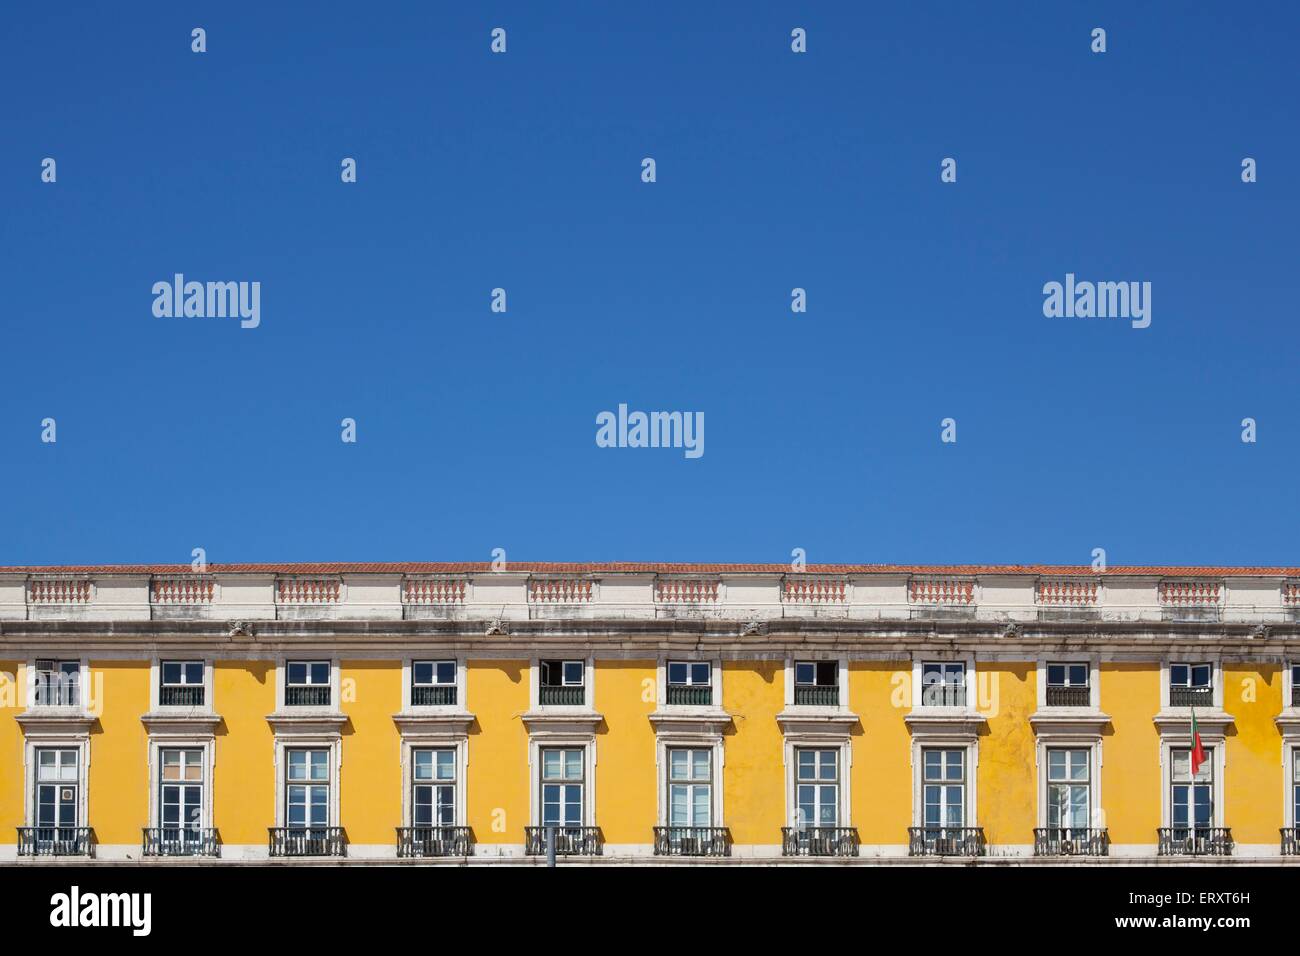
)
(60, 589)
(686, 591)
(559, 590)
(434, 590)
(812, 589)
(952, 592)
(308, 590)
(1067, 592)
(181, 589)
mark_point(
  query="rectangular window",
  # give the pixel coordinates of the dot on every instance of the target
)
(945, 788)
(180, 684)
(433, 779)
(817, 683)
(943, 684)
(690, 788)
(433, 683)
(58, 783)
(1068, 685)
(180, 797)
(690, 682)
(307, 788)
(1069, 794)
(1295, 685)
(1191, 685)
(1295, 787)
(1193, 800)
(562, 683)
(562, 782)
(307, 684)
(817, 788)
(58, 683)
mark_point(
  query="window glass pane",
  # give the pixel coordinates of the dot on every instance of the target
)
(1201, 675)
(194, 672)
(297, 673)
(573, 673)
(953, 806)
(1056, 765)
(1178, 674)
(701, 807)
(677, 760)
(1078, 765)
(1056, 673)
(552, 761)
(297, 765)
(422, 672)
(171, 673)
(423, 765)
(807, 764)
(573, 805)
(1078, 674)
(1181, 765)
(320, 765)
(804, 673)
(446, 765)
(932, 806)
(573, 765)
(933, 764)
(827, 760)
(678, 806)
(700, 764)
(320, 673)
(827, 673)
(955, 759)
(701, 674)
(677, 673)
(446, 672)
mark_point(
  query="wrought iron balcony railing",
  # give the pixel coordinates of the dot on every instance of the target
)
(1191, 696)
(569, 841)
(561, 696)
(817, 695)
(695, 695)
(1071, 841)
(945, 841)
(1295, 695)
(1195, 841)
(180, 841)
(943, 695)
(433, 695)
(433, 841)
(1060, 696)
(306, 841)
(819, 841)
(312, 695)
(55, 841)
(692, 841)
(189, 695)
(1291, 841)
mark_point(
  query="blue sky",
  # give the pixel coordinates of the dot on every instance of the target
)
(775, 170)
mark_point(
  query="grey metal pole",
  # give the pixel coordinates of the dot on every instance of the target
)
(550, 846)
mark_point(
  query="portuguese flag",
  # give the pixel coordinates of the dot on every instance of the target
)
(1198, 751)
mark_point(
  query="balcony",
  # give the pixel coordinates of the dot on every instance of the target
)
(943, 695)
(433, 695)
(819, 841)
(55, 841)
(180, 841)
(415, 842)
(1181, 696)
(180, 696)
(1195, 841)
(690, 695)
(1071, 841)
(561, 696)
(945, 841)
(314, 695)
(569, 841)
(1058, 695)
(692, 841)
(816, 695)
(306, 841)
(1291, 841)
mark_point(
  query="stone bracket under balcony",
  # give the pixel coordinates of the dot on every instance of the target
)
(1178, 720)
(702, 721)
(561, 722)
(1064, 721)
(63, 722)
(817, 721)
(414, 723)
(181, 724)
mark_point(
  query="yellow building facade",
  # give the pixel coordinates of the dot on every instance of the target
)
(645, 713)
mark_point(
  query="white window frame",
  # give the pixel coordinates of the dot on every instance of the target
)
(282, 676)
(408, 673)
(661, 681)
(459, 745)
(83, 686)
(1094, 678)
(844, 748)
(285, 743)
(937, 741)
(1216, 743)
(155, 683)
(1216, 680)
(156, 746)
(1290, 782)
(588, 683)
(57, 741)
(537, 743)
(841, 662)
(666, 741)
(919, 660)
(1090, 743)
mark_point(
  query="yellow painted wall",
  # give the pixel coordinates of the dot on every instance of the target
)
(497, 789)
(754, 777)
(370, 794)
(11, 753)
(118, 798)
(881, 779)
(1253, 786)
(626, 785)
(243, 787)
(1130, 775)
(1006, 782)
